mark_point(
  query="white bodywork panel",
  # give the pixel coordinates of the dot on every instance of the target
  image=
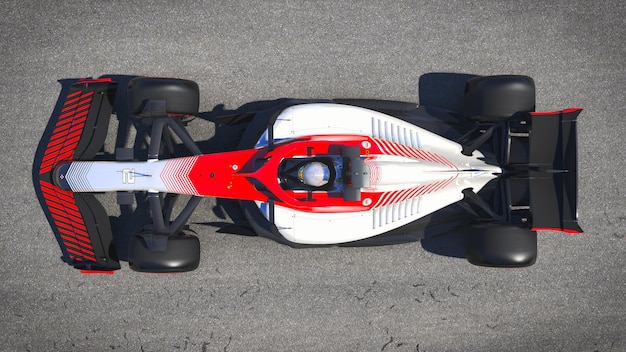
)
(150, 176)
(420, 173)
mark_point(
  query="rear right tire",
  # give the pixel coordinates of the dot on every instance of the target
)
(501, 245)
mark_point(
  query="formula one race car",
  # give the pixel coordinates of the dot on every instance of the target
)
(314, 172)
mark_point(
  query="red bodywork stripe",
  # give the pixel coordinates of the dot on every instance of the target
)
(97, 272)
(555, 112)
(567, 231)
(96, 80)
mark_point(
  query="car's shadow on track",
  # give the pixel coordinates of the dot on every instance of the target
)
(441, 233)
(444, 90)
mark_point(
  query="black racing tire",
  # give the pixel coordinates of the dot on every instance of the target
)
(501, 245)
(498, 98)
(163, 254)
(181, 96)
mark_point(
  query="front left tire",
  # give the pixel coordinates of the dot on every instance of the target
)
(164, 254)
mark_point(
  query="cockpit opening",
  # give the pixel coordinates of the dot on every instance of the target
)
(319, 173)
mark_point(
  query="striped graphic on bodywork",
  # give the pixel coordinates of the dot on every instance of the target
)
(375, 172)
(175, 175)
(68, 222)
(401, 204)
(402, 195)
(67, 131)
(397, 149)
(76, 176)
(393, 132)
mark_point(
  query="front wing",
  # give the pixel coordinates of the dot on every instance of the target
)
(79, 222)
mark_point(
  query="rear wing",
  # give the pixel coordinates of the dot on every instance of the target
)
(554, 184)
(77, 132)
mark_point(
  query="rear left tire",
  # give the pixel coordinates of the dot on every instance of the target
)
(498, 98)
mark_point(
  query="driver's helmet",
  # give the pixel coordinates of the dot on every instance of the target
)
(314, 174)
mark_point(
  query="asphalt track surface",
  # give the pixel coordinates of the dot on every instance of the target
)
(251, 294)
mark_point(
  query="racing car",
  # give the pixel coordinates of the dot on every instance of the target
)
(343, 172)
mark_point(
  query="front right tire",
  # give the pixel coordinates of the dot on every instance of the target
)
(181, 96)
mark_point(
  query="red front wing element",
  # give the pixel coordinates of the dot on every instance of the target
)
(68, 130)
(69, 222)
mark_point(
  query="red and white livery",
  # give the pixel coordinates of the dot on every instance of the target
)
(333, 172)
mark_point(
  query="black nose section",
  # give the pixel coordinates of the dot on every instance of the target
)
(59, 176)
